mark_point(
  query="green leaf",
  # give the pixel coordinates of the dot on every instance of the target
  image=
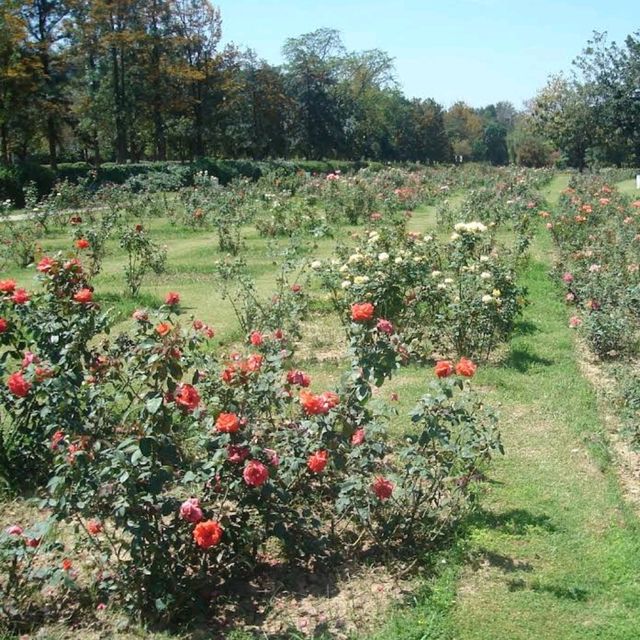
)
(154, 404)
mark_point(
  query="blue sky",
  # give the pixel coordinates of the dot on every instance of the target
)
(480, 51)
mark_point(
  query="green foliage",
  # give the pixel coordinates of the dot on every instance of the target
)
(143, 255)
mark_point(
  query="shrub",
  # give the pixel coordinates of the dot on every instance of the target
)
(176, 466)
(143, 255)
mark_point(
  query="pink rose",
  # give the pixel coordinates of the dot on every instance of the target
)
(190, 510)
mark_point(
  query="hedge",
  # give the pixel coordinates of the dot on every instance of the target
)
(13, 179)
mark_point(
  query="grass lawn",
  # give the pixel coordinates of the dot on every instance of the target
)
(629, 188)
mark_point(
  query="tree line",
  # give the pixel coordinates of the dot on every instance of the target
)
(131, 80)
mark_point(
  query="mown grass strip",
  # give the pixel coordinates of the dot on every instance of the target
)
(554, 553)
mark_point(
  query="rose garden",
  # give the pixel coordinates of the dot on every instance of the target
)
(319, 410)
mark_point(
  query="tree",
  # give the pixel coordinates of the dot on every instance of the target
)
(20, 74)
(561, 112)
(495, 142)
(313, 67)
(465, 129)
(45, 22)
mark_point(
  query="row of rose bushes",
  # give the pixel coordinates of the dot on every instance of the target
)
(507, 199)
(278, 204)
(170, 468)
(597, 231)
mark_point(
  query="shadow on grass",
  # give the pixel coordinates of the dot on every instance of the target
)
(577, 594)
(504, 563)
(515, 522)
(522, 360)
(526, 328)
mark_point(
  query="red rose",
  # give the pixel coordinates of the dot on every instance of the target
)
(7, 286)
(256, 339)
(298, 378)
(207, 534)
(255, 473)
(84, 296)
(45, 265)
(20, 296)
(382, 487)
(67, 564)
(172, 298)
(56, 439)
(272, 457)
(362, 312)
(230, 375)
(318, 461)
(187, 396)
(33, 542)
(18, 385)
(466, 368)
(227, 423)
(312, 404)
(4, 325)
(358, 437)
(443, 369)
(384, 326)
(163, 328)
(205, 329)
(94, 527)
(82, 243)
(330, 399)
(237, 454)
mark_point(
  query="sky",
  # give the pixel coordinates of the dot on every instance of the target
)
(479, 51)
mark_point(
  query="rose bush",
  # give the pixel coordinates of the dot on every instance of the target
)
(460, 298)
(177, 466)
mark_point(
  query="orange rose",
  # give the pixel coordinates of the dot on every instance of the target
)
(84, 296)
(227, 423)
(163, 328)
(207, 534)
(318, 461)
(362, 312)
(443, 369)
(466, 368)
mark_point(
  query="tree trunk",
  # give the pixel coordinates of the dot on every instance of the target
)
(4, 144)
(121, 141)
(51, 137)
